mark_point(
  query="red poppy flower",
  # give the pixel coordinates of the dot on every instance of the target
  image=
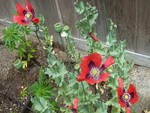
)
(75, 105)
(126, 98)
(92, 70)
(25, 16)
(93, 37)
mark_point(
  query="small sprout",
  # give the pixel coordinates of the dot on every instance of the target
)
(18, 64)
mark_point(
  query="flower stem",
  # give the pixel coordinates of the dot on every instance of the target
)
(100, 96)
(62, 42)
(70, 45)
(36, 33)
(83, 90)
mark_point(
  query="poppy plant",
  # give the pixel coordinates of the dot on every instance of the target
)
(92, 70)
(93, 37)
(126, 98)
(25, 16)
(75, 105)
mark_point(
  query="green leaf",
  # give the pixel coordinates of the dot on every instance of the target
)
(115, 109)
(40, 104)
(101, 107)
(30, 56)
(113, 102)
(42, 87)
(25, 63)
(91, 18)
(79, 7)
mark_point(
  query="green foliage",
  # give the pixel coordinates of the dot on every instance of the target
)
(41, 105)
(56, 69)
(102, 107)
(86, 25)
(89, 13)
(121, 67)
(57, 86)
(42, 87)
(14, 38)
(67, 86)
(116, 49)
(42, 94)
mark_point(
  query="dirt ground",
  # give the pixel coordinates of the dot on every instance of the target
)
(140, 77)
(12, 81)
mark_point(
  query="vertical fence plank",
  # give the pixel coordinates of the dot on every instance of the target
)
(143, 41)
(101, 27)
(68, 15)
(6, 11)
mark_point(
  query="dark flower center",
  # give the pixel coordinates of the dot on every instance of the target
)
(28, 16)
(95, 72)
(126, 97)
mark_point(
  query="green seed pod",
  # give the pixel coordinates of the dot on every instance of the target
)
(66, 28)
(58, 27)
(18, 64)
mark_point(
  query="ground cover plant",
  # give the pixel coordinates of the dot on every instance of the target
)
(95, 83)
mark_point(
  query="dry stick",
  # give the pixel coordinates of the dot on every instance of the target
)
(36, 32)
(15, 101)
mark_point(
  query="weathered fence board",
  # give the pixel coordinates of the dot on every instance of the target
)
(68, 15)
(101, 27)
(123, 13)
(143, 25)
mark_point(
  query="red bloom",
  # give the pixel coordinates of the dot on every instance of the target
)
(126, 98)
(25, 16)
(92, 70)
(93, 37)
(75, 105)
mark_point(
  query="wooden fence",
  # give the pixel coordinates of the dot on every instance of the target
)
(131, 16)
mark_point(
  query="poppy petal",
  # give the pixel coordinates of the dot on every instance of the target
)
(21, 10)
(109, 62)
(127, 109)
(84, 63)
(30, 8)
(120, 94)
(90, 81)
(121, 83)
(93, 37)
(35, 20)
(81, 76)
(133, 93)
(20, 20)
(75, 103)
(96, 59)
(84, 69)
(103, 77)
